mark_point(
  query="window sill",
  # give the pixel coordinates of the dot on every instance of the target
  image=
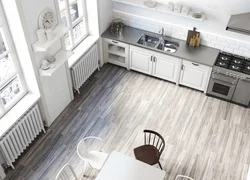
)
(81, 49)
(9, 119)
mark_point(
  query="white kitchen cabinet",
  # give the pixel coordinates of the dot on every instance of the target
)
(194, 75)
(116, 53)
(155, 64)
(141, 60)
(166, 67)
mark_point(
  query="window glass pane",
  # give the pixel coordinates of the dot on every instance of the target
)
(6, 67)
(74, 13)
(2, 43)
(62, 5)
(79, 31)
(64, 18)
(68, 41)
(11, 92)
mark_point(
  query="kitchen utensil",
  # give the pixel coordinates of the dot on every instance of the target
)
(150, 4)
(197, 40)
(191, 34)
(116, 27)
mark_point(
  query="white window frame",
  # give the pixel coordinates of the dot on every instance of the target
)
(18, 72)
(71, 24)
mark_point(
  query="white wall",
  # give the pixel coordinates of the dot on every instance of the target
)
(51, 107)
(213, 33)
(105, 14)
(218, 13)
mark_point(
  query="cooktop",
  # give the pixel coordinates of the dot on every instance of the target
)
(233, 62)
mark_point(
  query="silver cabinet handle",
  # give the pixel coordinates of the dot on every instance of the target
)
(114, 41)
(195, 64)
(151, 58)
(182, 67)
(155, 59)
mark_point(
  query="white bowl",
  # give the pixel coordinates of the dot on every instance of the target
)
(150, 4)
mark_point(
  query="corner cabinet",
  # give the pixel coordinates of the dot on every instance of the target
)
(116, 53)
(195, 75)
(155, 64)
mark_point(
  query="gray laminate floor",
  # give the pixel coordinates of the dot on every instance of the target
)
(206, 138)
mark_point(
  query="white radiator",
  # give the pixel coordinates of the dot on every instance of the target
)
(21, 135)
(84, 68)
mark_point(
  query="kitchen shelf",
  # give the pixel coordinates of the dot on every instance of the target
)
(159, 8)
(120, 52)
(116, 58)
(58, 32)
(61, 57)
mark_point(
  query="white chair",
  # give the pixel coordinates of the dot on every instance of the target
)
(66, 173)
(181, 176)
(88, 151)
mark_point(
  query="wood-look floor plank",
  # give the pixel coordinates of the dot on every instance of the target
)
(206, 138)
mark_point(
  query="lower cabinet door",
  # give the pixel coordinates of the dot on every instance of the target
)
(140, 60)
(194, 75)
(166, 67)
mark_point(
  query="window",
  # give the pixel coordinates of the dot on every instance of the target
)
(73, 15)
(12, 86)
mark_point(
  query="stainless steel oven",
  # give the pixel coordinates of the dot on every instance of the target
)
(222, 86)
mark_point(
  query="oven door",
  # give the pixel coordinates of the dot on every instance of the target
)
(222, 86)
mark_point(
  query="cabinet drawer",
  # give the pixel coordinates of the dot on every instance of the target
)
(189, 63)
(117, 43)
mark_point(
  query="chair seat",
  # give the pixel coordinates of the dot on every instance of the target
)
(147, 154)
(96, 159)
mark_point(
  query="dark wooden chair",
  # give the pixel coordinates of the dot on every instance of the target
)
(152, 149)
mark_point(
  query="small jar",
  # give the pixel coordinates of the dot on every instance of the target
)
(41, 35)
(177, 8)
(185, 10)
(170, 6)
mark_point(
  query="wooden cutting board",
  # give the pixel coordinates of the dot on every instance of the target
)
(191, 33)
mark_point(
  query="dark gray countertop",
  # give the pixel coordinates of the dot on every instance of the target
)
(203, 55)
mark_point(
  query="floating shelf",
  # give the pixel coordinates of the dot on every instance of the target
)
(58, 32)
(61, 57)
(159, 8)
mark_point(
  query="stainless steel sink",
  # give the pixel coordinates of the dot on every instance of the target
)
(168, 46)
(159, 43)
(149, 41)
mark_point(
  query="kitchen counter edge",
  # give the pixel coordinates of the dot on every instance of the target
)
(202, 54)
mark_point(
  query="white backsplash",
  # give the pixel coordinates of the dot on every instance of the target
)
(223, 43)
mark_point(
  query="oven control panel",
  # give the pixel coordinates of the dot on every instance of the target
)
(230, 73)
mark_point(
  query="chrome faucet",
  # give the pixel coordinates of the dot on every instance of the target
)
(162, 32)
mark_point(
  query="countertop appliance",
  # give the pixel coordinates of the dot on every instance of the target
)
(230, 79)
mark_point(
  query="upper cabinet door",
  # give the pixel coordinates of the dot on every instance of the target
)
(194, 75)
(141, 60)
(166, 67)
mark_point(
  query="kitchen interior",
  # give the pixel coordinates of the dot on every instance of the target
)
(120, 70)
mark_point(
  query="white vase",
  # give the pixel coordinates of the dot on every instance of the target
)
(41, 35)
(49, 34)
